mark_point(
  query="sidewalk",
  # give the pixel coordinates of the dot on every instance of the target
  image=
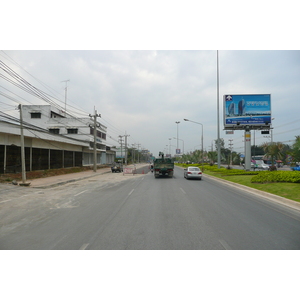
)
(66, 178)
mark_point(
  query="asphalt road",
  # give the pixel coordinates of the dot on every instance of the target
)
(113, 212)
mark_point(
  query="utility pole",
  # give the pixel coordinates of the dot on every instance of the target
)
(138, 145)
(121, 142)
(133, 153)
(177, 150)
(95, 137)
(126, 150)
(22, 147)
(66, 88)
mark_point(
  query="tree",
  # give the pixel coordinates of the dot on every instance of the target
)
(273, 150)
(295, 152)
(213, 156)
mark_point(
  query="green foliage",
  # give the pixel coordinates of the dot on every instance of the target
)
(274, 150)
(279, 176)
(296, 150)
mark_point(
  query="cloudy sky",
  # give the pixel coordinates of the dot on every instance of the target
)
(143, 93)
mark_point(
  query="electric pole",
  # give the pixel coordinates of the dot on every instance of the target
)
(121, 142)
(95, 137)
(22, 146)
(126, 150)
(138, 145)
(66, 88)
(133, 153)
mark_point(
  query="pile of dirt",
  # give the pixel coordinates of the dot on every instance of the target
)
(9, 177)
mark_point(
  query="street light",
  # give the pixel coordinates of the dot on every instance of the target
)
(201, 137)
(177, 122)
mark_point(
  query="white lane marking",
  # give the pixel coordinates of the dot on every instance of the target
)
(84, 246)
(183, 190)
(80, 193)
(225, 245)
(131, 192)
(6, 200)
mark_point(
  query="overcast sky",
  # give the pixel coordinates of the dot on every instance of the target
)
(143, 93)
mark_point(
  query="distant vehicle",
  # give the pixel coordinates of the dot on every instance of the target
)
(117, 167)
(297, 168)
(261, 165)
(258, 164)
(163, 166)
(253, 165)
(192, 172)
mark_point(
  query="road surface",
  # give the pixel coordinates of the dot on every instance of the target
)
(114, 211)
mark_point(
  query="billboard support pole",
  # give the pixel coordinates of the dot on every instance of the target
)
(247, 149)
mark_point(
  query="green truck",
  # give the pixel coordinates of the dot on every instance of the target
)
(163, 166)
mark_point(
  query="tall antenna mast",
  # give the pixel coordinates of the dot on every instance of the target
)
(66, 88)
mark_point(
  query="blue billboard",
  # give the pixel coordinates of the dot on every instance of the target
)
(242, 110)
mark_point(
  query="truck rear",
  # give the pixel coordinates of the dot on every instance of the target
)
(163, 167)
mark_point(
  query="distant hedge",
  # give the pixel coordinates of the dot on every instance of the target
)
(279, 176)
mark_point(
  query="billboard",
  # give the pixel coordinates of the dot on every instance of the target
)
(253, 110)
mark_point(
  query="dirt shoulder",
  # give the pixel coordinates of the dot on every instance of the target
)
(9, 177)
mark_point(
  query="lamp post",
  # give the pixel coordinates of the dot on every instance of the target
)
(201, 138)
(218, 113)
(177, 122)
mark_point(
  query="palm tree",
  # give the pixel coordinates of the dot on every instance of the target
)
(213, 156)
(296, 149)
(273, 150)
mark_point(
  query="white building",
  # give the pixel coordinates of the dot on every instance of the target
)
(55, 138)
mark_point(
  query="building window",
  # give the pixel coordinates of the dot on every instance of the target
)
(54, 130)
(72, 130)
(36, 115)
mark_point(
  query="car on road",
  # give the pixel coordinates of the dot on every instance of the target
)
(192, 172)
(258, 165)
(117, 167)
(296, 168)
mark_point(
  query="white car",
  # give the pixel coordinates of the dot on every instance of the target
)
(192, 172)
(261, 165)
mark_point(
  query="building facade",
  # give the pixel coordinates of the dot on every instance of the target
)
(53, 139)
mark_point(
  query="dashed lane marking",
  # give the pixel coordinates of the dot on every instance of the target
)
(225, 245)
(80, 193)
(84, 246)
